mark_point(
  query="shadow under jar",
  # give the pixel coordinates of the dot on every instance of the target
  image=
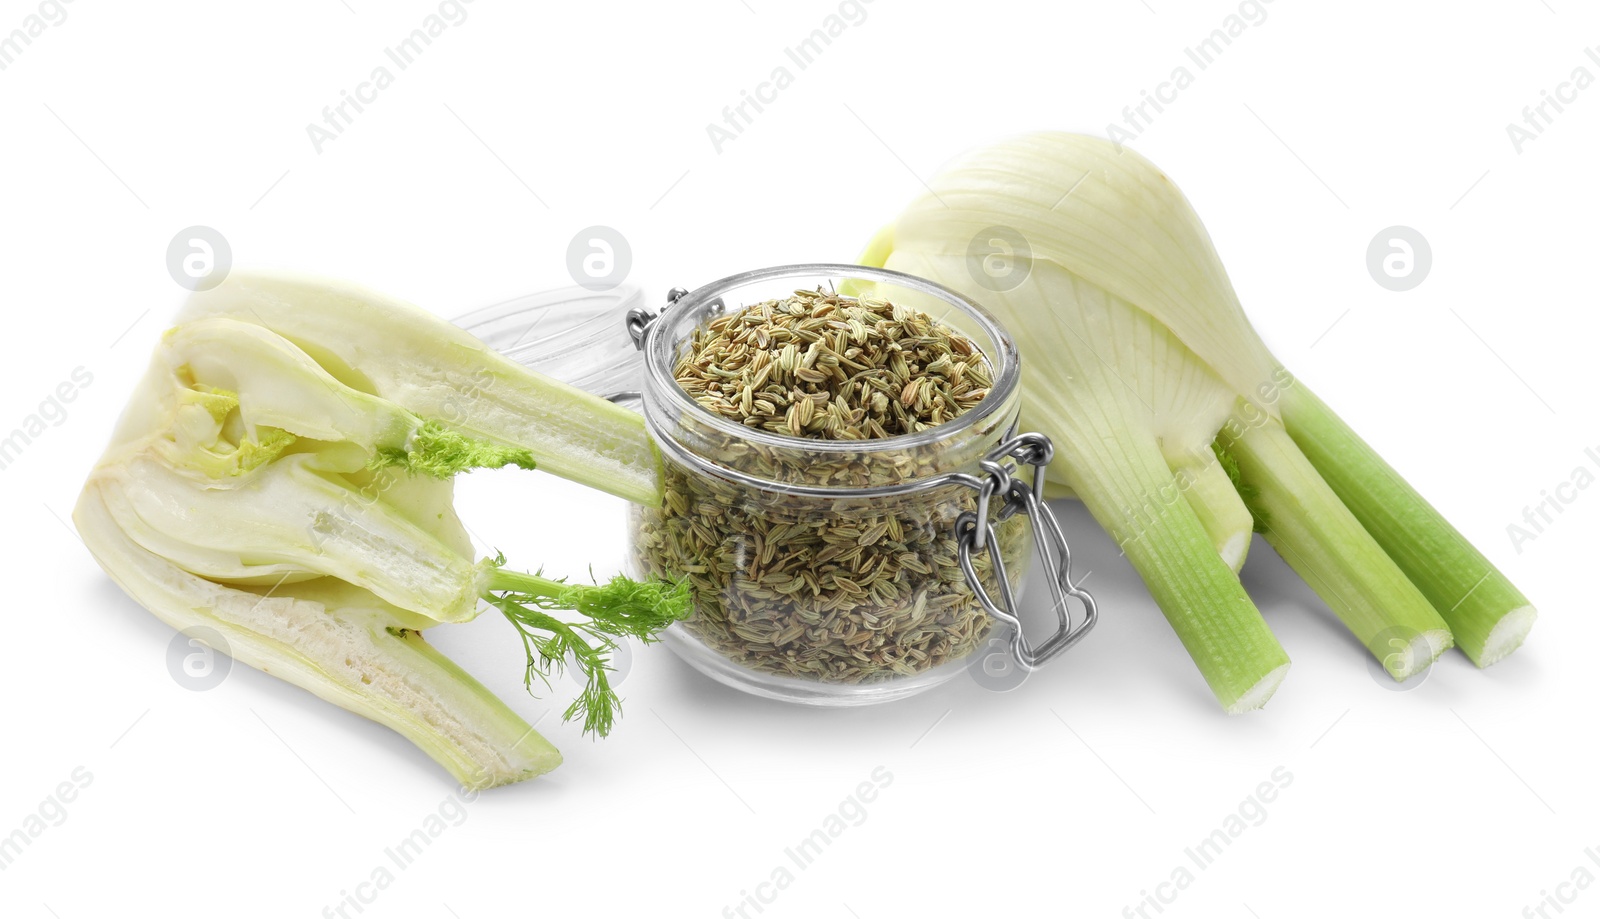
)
(833, 572)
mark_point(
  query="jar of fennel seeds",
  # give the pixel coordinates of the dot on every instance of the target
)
(840, 550)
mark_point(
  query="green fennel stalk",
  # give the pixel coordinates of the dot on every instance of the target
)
(1306, 523)
(1195, 588)
(1487, 614)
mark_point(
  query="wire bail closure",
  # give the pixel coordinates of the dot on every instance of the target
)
(975, 534)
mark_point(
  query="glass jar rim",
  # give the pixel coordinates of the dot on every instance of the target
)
(658, 348)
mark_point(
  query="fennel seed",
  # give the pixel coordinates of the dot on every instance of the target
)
(840, 590)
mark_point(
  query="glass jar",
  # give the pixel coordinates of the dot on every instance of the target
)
(577, 335)
(844, 572)
(824, 572)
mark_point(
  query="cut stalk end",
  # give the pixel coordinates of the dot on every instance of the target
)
(1258, 694)
(1210, 490)
(1405, 660)
(1507, 635)
(1233, 551)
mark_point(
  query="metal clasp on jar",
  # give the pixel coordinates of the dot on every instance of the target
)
(975, 535)
(640, 319)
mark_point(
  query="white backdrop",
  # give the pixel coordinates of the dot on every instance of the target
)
(461, 183)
